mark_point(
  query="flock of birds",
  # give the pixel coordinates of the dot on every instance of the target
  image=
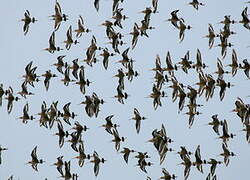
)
(73, 73)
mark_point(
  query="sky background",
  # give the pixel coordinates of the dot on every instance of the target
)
(18, 50)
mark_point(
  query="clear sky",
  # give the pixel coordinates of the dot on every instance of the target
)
(18, 50)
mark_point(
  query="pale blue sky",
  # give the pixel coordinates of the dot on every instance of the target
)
(18, 50)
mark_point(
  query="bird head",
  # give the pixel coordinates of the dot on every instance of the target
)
(170, 149)
(232, 135)
(76, 42)
(41, 161)
(232, 154)
(174, 176)
(65, 17)
(103, 160)
(33, 20)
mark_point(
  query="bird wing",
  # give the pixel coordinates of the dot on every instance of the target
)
(96, 168)
(33, 153)
(138, 125)
(96, 4)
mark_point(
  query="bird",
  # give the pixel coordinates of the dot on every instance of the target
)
(196, 4)
(220, 69)
(60, 63)
(210, 86)
(97, 160)
(144, 27)
(53, 113)
(241, 110)
(213, 166)
(191, 113)
(125, 59)
(82, 156)
(66, 80)
(211, 35)
(227, 20)
(120, 76)
(35, 161)
(58, 17)
(182, 95)
(30, 77)
(226, 153)
(48, 75)
(61, 133)
(226, 32)
(245, 67)
(198, 161)
(118, 17)
(59, 164)
(216, 123)
(109, 125)
(137, 117)
(79, 128)
(10, 98)
(82, 80)
(245, 20)
(160, 141)
(223, 85)
(67, 114)
(167, 175)
(234, 65)
(184, 152)
(52, 47)
(69, 40)
(192, 95)
(67, 175)
(44, 117)
(226, 136)
(170, 67)
(26, 116)
(182, 28)
(174, 18)
(187, 163)
(156, 95)
(106, 54)
(185, 63)
(75, 68)
(120, 95)
(142, 163)
(91, 51)
(117, 139)
(24, 92)
(126, 152)
(97, 102)
(199, 62)
(27, 20)
(135, 33)
(81, 29)
(224, 44)
(76, 139)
